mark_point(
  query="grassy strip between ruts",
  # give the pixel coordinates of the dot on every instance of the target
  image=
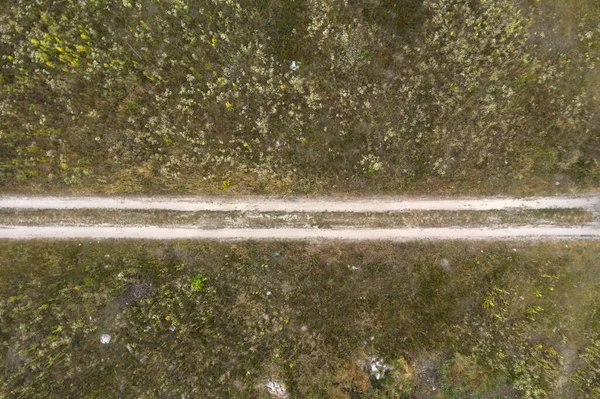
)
(206, 319)
(211, 220)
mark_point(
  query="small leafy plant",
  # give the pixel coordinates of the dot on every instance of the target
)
(198, 282)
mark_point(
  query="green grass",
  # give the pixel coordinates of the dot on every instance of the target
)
(213, 220)
(471, 319)
(197, 96)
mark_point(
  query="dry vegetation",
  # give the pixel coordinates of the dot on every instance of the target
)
(194, 319)
(434, 96)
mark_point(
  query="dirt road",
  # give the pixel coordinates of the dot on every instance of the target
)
(262, 204)
(220, 206)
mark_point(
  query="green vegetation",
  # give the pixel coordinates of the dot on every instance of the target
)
(218, 220)
(206, 319)
(587, 378)
(198, 282)
(198, 96)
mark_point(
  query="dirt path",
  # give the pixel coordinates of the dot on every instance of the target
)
(261, 204)
(164, 233)
(219, 230)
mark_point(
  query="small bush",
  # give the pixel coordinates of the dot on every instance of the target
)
(463, 376)
(198, 282)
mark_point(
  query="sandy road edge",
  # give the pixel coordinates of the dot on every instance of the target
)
(163, 233)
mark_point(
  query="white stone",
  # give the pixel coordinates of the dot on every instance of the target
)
(276, 389)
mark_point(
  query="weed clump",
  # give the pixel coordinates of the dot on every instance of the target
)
(198, 282)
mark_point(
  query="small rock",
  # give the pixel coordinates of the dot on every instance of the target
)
(294, 66)
(172, 328)
(105, 338)
(268, 293)
(148, 328)
(276, 389)
(445, 264)
(377, 368)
